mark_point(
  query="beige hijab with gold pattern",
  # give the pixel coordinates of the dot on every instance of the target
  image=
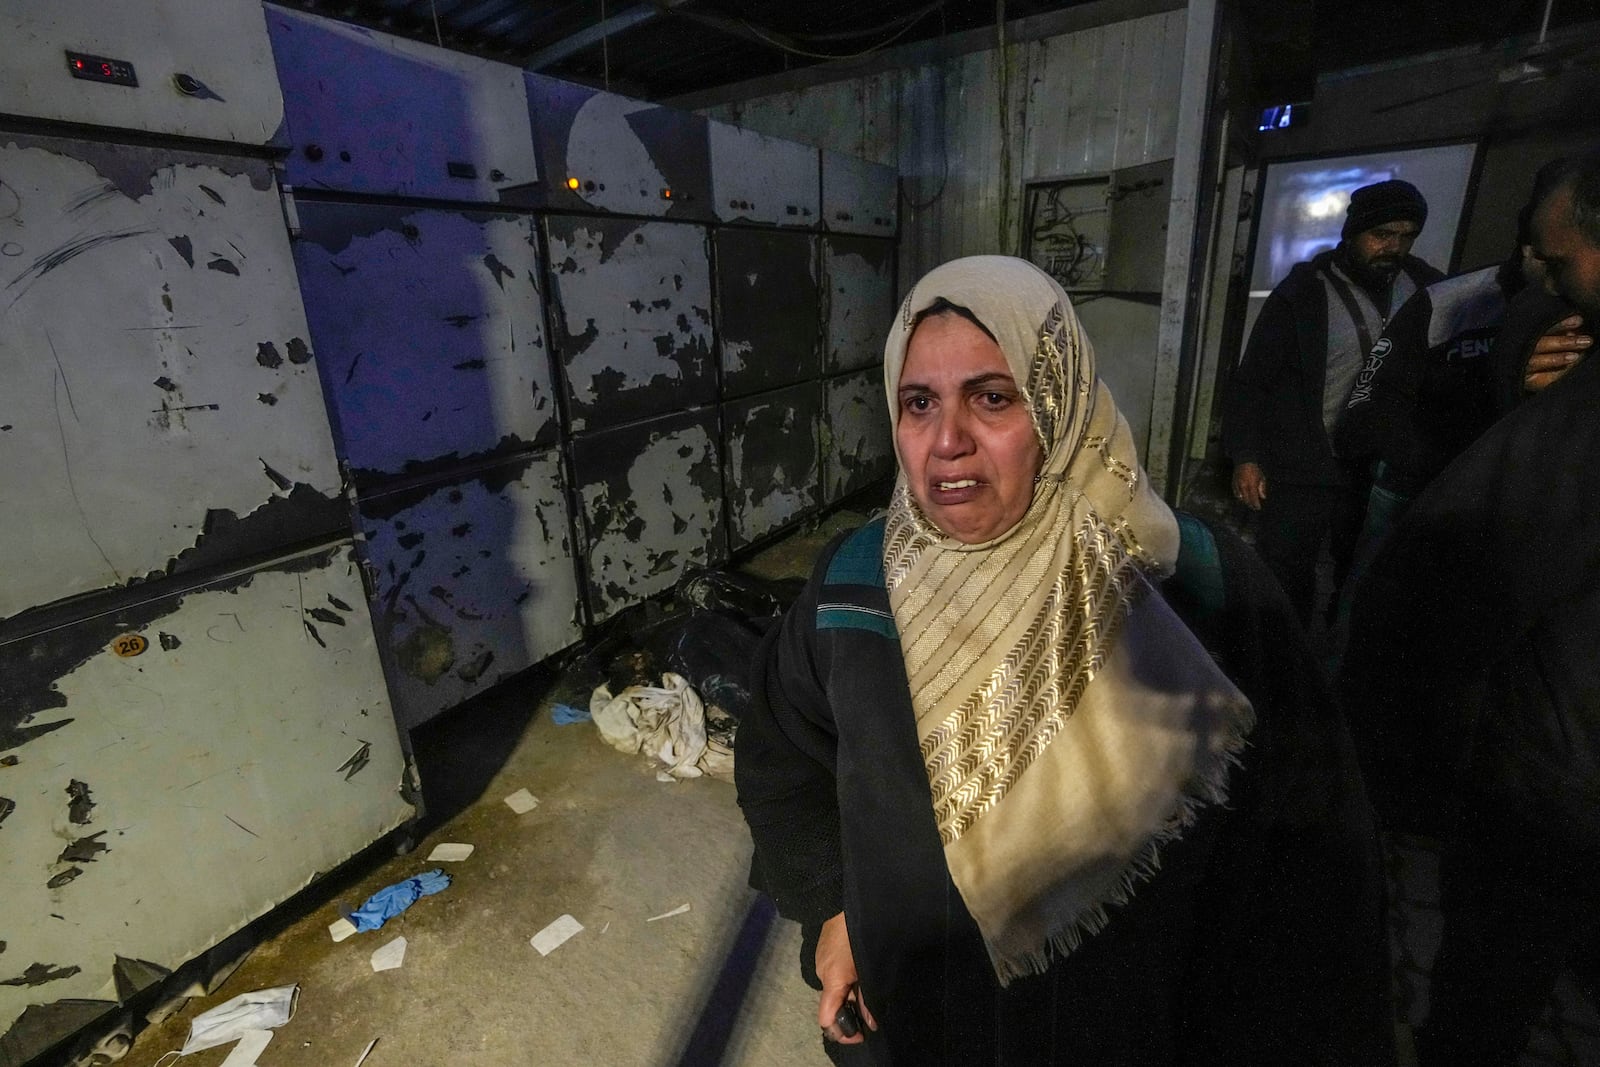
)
(1069, 722)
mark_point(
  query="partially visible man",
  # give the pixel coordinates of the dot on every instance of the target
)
(1443, 372)
(1473, 676)
(1290, 389)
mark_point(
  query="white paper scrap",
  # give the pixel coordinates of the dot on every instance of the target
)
(679, 910)
(340, 929)
(450, 852)
(555, 935)
(522, 801)
(390, 956)
(244, 1054)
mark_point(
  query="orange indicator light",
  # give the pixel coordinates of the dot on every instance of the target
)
(573, 183)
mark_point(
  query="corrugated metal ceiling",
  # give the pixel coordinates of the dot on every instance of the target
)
(656, 49)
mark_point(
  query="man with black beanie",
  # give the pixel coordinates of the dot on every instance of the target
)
(1291, 387)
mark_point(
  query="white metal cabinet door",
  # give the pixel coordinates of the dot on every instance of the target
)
(858, 447)
(858, 196)
(651, 495)
(858, 276)
(632, 317)
(160, 405)
(769, 319)
(231, 741)
(475, 581)
(606, 153)
(197, 68)
(369, 112)
(756, 178)
(772, 445)
(429, 330)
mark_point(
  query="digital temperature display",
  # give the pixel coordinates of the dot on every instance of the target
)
(101, 69)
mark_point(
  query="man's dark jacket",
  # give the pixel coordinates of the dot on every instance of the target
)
(1273, 411)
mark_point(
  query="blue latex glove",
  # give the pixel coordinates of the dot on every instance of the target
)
(566, 715)
(390, 901)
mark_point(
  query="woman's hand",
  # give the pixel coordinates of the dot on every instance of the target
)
(1250, 485)
(836, 967)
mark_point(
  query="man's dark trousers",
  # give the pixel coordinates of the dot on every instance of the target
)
(1295, 522)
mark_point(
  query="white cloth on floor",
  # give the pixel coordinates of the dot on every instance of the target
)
(667, 722)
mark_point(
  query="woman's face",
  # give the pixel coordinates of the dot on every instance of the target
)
(964, 436)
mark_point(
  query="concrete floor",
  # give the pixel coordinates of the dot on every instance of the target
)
(612, 846)
(609, 845)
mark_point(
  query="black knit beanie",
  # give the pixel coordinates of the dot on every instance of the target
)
(1391, 201)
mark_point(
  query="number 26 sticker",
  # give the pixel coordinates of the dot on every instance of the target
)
(129, 645)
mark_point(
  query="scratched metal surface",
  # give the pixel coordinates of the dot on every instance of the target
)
(626, 156)
(160, 403)
(859, 196)
(651, 495)
(858, 281)
(220, 44)
(632, 321)
(429, 332)
(369, 112)
(231, 742)
(474, 581)
(757, 178)
(769, 321)
(773, 473)
(858, 446)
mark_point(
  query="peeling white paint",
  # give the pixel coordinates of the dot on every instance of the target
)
(860, 307)
(495, 576)
(213, 770)
(734, 354)
(656, 282)
(660, 493)
(433, 339)
(859, 445)
(133, 379)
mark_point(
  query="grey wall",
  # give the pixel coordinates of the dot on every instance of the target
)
(1082, 102)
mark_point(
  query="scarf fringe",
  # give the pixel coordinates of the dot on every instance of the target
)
(1209, 789)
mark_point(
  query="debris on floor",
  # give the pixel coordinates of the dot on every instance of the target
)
(522, 802)
(566, 715)
(681, 909)
(366, 1052)
(340, 929)
(390, 956)
(251, 1044)
(391, 900)
(555, 935)
(263, 1009)
(666, 721)
(449, 852)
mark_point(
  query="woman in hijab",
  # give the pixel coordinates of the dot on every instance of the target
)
(1046, 772)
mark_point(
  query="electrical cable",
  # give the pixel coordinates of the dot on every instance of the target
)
(883, 27)
(781, 46)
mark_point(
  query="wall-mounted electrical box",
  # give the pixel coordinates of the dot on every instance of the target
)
(1105, 232)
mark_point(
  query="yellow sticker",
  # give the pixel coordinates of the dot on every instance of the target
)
(129, 645)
